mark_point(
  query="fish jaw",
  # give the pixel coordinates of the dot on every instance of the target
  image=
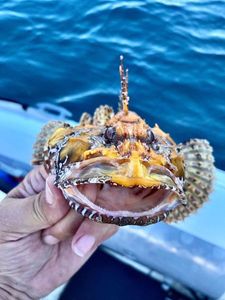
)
(95, 211)
(162, 192)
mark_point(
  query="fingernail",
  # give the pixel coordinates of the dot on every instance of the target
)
(83, 245)
(49, 194)
(50, 240)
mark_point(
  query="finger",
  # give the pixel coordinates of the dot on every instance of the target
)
(90, 235)
(67, 226)
(66, 261)
(64, 229)
(33, 183)
(32, 213)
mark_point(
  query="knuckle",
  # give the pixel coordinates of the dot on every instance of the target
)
(59, 233)
(107, 233)
(111, 230)
(64, 233)
(38, 210)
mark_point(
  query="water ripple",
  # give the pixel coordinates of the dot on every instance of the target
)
(67, 52)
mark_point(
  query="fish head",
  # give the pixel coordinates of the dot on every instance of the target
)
(134, 171)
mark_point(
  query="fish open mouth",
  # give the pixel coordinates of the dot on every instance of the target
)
(106, 196)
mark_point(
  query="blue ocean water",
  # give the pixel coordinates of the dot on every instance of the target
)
(67, 52)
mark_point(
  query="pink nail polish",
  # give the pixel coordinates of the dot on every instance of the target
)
(83, 245)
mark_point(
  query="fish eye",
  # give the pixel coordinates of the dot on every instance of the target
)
(150, 136)
(110, 134)
(155, 147)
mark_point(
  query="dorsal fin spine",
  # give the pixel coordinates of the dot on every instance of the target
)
(124, 98)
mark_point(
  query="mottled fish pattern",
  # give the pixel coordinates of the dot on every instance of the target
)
(155, 178)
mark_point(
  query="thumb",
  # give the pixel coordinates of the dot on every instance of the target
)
(22, 216)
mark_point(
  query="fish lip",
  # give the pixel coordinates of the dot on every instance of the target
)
(120, 221)
(104, 178)
(96, 213)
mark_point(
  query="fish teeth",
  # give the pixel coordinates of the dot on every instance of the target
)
(98, 218)
(165, 215)
(184, 201)
(91, 216)
(92, 180)
(84, 210)
(77, 206)
(72, 204)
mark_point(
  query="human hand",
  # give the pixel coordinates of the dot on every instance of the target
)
(42, 242)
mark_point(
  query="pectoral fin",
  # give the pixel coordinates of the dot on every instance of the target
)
(198, 177)
(42, 138)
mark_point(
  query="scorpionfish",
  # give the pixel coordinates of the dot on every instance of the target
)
(135, 174)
